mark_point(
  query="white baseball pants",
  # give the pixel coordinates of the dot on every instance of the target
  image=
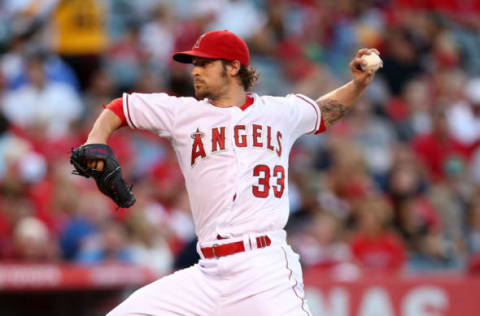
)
(256, 282)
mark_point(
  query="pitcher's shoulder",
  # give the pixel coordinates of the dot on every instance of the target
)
(281, 100)
(271, 99)
(163, 98)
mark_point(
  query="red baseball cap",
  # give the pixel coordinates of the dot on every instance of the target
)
(217, 45)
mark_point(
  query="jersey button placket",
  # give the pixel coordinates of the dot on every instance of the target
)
(234, 120)
(237, 115)
(233, 172)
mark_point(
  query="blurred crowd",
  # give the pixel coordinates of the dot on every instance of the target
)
(394, 187)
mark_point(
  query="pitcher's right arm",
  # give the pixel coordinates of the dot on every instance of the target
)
(104, 126)
(107, 122)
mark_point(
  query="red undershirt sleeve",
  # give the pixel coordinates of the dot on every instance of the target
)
(322, 126)
(116, 106)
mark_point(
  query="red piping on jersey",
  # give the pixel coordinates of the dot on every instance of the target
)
(249, 101)
(321, 128)
(116, 106)
(295, 285)
(128, 113)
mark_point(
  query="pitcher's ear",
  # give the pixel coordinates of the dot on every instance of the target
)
(235, 67)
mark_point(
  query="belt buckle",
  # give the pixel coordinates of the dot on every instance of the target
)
(213, 250)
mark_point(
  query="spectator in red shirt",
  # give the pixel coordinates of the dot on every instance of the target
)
(374, 245)
(437, 150)
(33, 242)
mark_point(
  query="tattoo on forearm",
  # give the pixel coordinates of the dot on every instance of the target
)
(332, 111)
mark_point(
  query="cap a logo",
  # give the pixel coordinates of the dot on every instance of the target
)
(197, 43)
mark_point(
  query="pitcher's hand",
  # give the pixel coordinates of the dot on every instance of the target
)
(361, 76)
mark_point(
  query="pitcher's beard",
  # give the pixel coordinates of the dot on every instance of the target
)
(206, 92)
(201, 94)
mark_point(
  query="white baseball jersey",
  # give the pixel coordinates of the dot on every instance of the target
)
(235, 161)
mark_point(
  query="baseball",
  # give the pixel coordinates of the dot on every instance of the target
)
(373, 62)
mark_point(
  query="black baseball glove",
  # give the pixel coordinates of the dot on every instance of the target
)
(109, 180)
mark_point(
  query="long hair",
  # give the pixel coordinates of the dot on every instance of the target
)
(247, 74)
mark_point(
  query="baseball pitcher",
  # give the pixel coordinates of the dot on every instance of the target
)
(233, 148)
